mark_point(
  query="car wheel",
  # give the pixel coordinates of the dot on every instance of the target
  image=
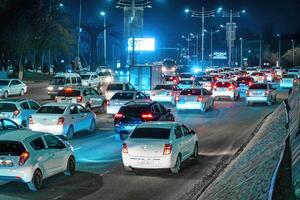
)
(195, 154)
(212, 107)
(71, 167)
(36, 182)
(22, 92)
(269, 103)
(92, 126)
(70, 133)
(204, 107)
(5, 95)
(176, 168)
(128, 169)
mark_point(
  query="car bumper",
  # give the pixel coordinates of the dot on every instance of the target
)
(190, 106)
(223, 94)
(257, 99)
(112, 109)
(53, 129)
(162, 162)
(52, 93)
(286, 85)
(23, 174)
(162, 98)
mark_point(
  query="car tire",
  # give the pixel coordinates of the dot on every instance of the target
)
(176, 168)
(36, 182)
(195, 153)
(22, 92)
(92, 127)
(5, 95)
(70, 133)
(269, 103)
(128, 169)
(71, 167)
(212, 107)
(204, 107)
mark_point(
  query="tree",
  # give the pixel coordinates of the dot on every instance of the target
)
(288, 57)
(269, 56)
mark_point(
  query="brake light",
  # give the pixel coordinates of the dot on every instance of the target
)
(16, 113)
(231, 87)
(167, 149)
(124, 148)
(119, 115)
(250, 83)
(267, 92)
(247, 93)
(200, 99)
(176, 98)
(30, 120)
(107, 103)
(215, 88)
(68, 89)
(175, 81)
(79, 99)
(23, 158)
(61, 121)
(147, 116)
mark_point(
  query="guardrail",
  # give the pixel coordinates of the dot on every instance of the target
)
(252, 175)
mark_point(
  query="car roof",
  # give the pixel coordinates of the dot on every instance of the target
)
(59, 104)
(66, 74)
(118, 83)
(13, 100)
(167, 125)
(20, 135)
(88, 73)
(140, 103)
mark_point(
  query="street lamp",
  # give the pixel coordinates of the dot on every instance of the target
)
(279, 48)
(241, 58)
(103, 14)
(79, 31)
(293, 47)
(211, 32)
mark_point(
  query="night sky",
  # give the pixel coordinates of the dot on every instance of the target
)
(167, 21)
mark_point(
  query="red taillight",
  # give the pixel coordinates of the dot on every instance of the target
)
(23, 158)
(231, 87)
(124, 148)
(267, 92)
(176, 98)
(167, 149)
(147, 116)
(16, 113)
(119, 115)
(107, 103)
(79, 99)
(250, 83)
(175, 81)
(61, 121)
(200, 98)
(30, 120)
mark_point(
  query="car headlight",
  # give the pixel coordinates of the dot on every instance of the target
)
(50, 88)
(60, 88)
(163, 69)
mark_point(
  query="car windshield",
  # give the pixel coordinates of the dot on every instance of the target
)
(257, 74)
(123, 96)
(163, 87)
(115, 87)
(85, 77)
(289, 76)
(104, 74)
(69, 93)
(134, 111)
(191, 92)
(12, 148)
(58, 81)
(187, 82)
(223, 84)
(259, 87)
(52, 109)
(151, 133)
(294, 70)
(205, 78)
(8, 107)
(186, 75)
(4, 82)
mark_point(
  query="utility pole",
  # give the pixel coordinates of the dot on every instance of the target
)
(202, 37)
(279, 49)
(104, 36)
(211, 32)
(293, 47)
(260, 53)
(79, 30)
(241, 58)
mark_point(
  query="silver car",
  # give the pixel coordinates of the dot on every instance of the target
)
(12, 87)
(261, 93)
(18, 110)
(113, 88)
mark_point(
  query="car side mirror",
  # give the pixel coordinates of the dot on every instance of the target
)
(192, 132)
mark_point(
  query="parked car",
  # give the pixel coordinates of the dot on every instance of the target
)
(113, 88)
(62, 80)
(261, 92)
(90, 79)
(9, 87)
(63, 119)
(159, 145)
(18, 110)
(135, 113)
(30, 157)
(88, 97)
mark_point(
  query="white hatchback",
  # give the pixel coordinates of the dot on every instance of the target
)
(10, 87)
(159, 145)
(30, 157)
(63, 119)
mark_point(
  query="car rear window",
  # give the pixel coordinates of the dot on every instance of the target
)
(186, 75)
(204, 78)
(257, 74)
(223, 84)
(289, 76)
(190, 92)
(163, 87)
(185, 82)
(85, 77)
(170, 78)
(52, 109)
(293, 70)
(69, 93)
(12, 148)
(134, 111)
(8, 107)
(123, 96)
(151, 133)
(104, 74)
(115, 87)
(244, 79)
(259, 87)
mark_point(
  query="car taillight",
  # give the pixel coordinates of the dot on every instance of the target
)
(247, 93)
(167, 149)
(175, 81)
(30, 120)
(250, 83)
(231, 87)
(79, 99)
(147, 116)
(267, 92)
(16, 113)
(119, 115)
(295, 81)
(124, 148)
(200, 98)
(23, 158)
(176, 98)
(60, 121)
(107, 103)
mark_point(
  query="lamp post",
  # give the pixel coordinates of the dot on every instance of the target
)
(279, 49)
(241, 56)
(104, 35)
(211, 32)
(293, 47)
(79, 30)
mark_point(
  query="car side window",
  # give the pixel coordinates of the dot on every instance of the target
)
(130, 87)
(185, 130)
(25, 106)
(205, 92)
(156, 108)
(178, 132)
(73, 110)
(33, 105)
(162, 108)
(17, 82)
(81, 109)
(53, 142)
(9, 125)
(37, 144)
(74, 80)
(86, 92)
(140, 96)
(93, 92)
(78, 80)
(68, 80)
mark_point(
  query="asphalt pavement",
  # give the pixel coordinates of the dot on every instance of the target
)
(221, 133)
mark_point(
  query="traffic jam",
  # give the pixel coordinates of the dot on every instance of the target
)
(35, 137)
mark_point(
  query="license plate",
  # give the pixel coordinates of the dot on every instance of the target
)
(6, 163)
(256, 93)
(222, 89)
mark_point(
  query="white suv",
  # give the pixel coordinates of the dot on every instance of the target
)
(30, 157)
(90, 79)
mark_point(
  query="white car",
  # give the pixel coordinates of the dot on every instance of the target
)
(105, 76)
(10, 87)
(90, 79)
(226, 89)
(121, 98)
(164, 93)
(261, 93)
(159, 145)
(194, 99)
(206, 82)
(269, 74)
(294, 72)
(63, 119)
(18, 110)
(186, 76)
(259, 77)
(113, 88)
(250, 70)
(30, 157)
(288, 81)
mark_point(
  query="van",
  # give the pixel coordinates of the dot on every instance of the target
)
(61, 80)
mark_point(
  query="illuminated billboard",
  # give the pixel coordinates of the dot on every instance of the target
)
(142, 44)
